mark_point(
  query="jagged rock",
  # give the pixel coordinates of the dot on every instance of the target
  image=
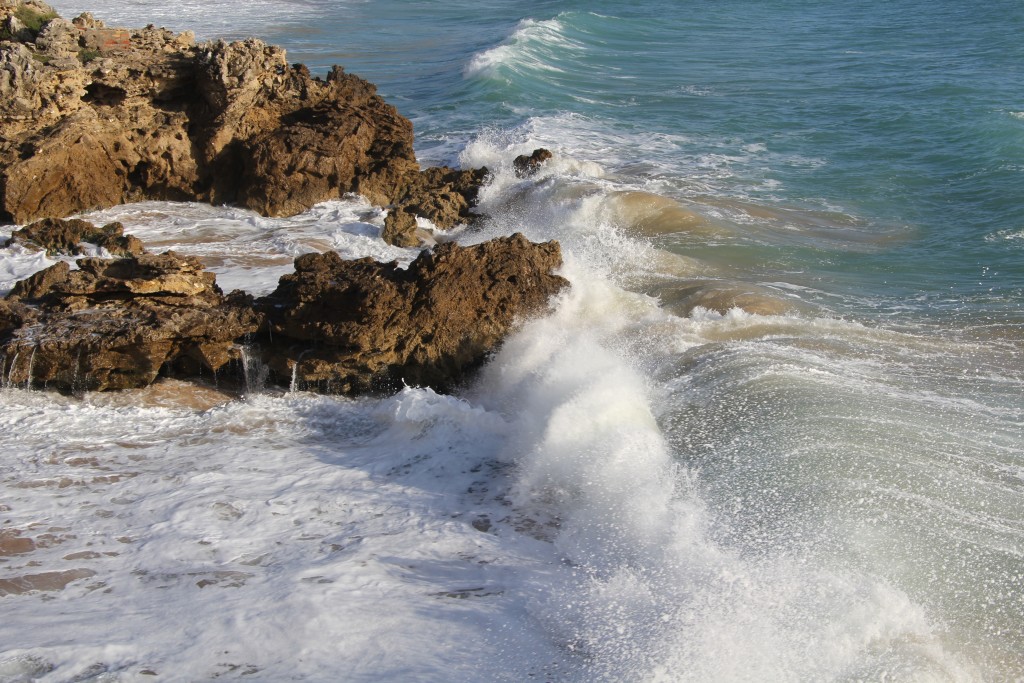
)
(57, 236)
(527, 165)
(12, 316)
(319, 151)
(58, 39)
(116, 323)
(356, 326)
(92, 117)
(443, 195)
(16, 29)
(334, 326)
(401, 228)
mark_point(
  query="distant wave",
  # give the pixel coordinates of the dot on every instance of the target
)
(534, 45)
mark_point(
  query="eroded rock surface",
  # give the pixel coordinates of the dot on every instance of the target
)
(116, 323)
(332, 326)
(92, 117)
(527, 165)
(355, 326)
(57, 236)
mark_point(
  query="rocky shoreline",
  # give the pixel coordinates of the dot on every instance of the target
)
(93, 117)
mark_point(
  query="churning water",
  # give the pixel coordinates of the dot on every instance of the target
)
(775, 431)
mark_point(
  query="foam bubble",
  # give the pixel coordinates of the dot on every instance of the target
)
(251, 252)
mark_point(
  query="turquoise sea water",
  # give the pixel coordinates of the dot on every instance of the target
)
(852, 467)
(903, 120)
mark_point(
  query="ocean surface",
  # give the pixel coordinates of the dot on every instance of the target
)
(823, 483)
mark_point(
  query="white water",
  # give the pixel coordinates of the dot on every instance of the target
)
(598, 506)
(624, 495)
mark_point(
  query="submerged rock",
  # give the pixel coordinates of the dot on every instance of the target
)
(722, 296)
(355, 326)
(92, 117)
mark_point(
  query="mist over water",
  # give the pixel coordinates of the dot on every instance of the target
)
(775, 430)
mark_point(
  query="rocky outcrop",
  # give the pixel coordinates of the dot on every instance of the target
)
(93, 117)
(333, 326)
(356, 326)
(116, 323)
(57, 236)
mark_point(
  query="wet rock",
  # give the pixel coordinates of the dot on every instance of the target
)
(401, 228)
(333, 326)
(57, 236)
(527, 165)
(356, 326)
(444, 196)
(117, 323)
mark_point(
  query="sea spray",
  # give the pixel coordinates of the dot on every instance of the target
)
(853, 477)
(254, 371)
(648, 593)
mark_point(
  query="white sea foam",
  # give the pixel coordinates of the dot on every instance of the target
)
(275, 538)
(650, 595)
(1011, 236)
(245, 250)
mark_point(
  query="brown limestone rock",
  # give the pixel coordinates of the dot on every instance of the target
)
(117, 323)
(527, 165)
(93, 116)
(400, 228)
(57, 236)
(443, 195)
(356, 326)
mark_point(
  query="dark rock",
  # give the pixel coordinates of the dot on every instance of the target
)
(57, 236)
(117, 323)
(526, 166)
(443, 195)
(356, 326)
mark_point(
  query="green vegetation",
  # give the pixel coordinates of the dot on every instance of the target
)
(85, 56)
(32, 18)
